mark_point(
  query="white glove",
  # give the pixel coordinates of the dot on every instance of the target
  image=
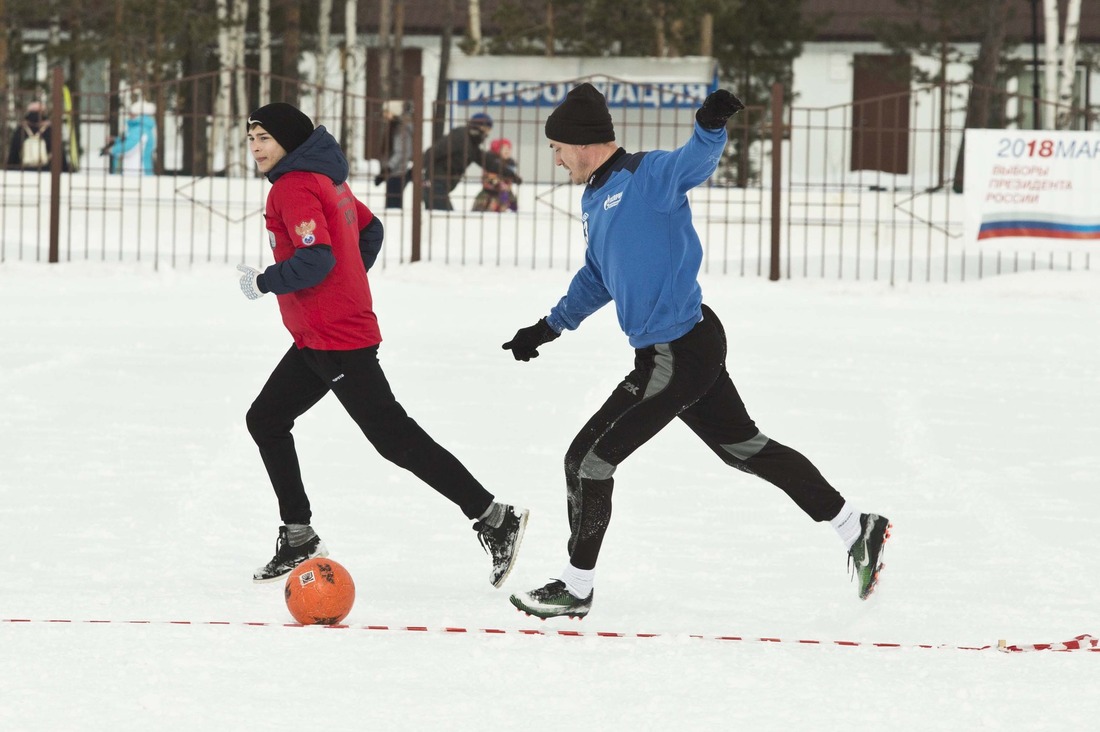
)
(248, 282)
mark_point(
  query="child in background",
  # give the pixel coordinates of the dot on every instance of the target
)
(496, 188)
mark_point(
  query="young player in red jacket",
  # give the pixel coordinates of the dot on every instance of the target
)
(324, 240)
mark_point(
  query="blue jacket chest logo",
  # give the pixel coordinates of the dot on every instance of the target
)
(612, 200)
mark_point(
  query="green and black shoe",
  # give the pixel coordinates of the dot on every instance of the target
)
(552, 601)
(864, 558)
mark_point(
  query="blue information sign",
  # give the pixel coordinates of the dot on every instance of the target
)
(672, 95)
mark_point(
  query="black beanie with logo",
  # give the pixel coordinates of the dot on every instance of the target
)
(582, 119)
(286, 123)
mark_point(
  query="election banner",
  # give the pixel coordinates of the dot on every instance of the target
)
(1034, 185)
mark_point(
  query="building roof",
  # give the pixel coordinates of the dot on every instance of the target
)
(846, 19)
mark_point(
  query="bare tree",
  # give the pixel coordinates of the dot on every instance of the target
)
(385, 47)
(347, 63)
(1059, 74)
(397, 87)
(9, 103)
(231, 84)
(324, 27)
(440, 106)
(1050, 65)
(980, 104)
(264, 17)
(292, 47)
(225, 78)
(550, 28)
(476, 47)
(1066, 98)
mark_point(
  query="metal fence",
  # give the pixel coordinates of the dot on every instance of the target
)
(857, 191)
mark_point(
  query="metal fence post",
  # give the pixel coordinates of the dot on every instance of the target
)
(777, 177)
(57, 150)
(418, 165)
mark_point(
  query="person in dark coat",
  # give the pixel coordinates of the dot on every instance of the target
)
(446, 161)
(35, 124)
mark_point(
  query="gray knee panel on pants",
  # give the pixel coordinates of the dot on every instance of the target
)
(748, 448)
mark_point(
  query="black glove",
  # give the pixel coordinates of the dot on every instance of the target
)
(524, 344)
(717, 108)
(379, 179)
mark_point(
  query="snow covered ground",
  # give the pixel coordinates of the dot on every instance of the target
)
(967, 413)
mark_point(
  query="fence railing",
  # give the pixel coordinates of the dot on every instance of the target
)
(843, 200)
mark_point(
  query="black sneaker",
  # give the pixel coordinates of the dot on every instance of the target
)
(288, 557)
(865, 555)
(502, 542)
(552, 601)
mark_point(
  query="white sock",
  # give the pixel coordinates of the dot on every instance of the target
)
(846, 524)
(578, 581)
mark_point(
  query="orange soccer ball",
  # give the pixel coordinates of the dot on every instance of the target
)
(319, 592)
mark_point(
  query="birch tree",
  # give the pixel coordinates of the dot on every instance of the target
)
(385, 48)
(347, 63)
(264, 38)
(9, 107)
(231, 84)
(1059, 74)
(1050, 61)
(1066, 97)
(238, 151)
(324, 35)
(476, 45)
(225, 78)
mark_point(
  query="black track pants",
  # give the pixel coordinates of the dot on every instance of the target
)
(686, 378)
(302, 377)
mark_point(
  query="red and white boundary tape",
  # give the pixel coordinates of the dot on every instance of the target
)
(1080, 643)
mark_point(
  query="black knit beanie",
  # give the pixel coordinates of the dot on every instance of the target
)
(286, 123)
(582, 119)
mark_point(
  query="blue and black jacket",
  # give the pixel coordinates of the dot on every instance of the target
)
(643, 251)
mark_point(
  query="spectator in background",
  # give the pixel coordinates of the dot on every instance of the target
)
(31, 146)
(132, 152)
(399, 141)
(446, 161)
(496, 185)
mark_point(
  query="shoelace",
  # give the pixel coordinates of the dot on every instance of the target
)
(852, 563)
(275, 559)
(482, 528)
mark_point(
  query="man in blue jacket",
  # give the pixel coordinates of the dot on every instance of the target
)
(644, 255)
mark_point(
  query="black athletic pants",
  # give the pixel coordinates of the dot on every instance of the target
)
(438, 195)
(302, 377)
(686, 378)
